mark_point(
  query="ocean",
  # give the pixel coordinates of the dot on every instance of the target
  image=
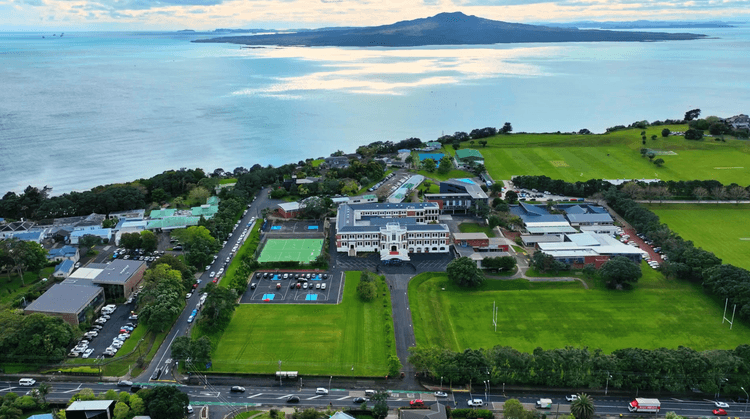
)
(99, 108)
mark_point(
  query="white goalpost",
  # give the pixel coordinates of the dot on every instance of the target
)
(494, 315)
(724, 318)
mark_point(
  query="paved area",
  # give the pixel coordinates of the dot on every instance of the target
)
(276, 290)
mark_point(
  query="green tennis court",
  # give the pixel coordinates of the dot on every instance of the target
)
(284, 250)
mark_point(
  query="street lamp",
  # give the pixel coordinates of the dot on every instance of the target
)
(485, 391)
(744, 411)
(329, 384)
(607, 387)
(441, 383)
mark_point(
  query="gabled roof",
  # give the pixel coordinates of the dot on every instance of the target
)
(17, 226)
(65, 251)
(65, 266)
(465, 153)
(28, 235)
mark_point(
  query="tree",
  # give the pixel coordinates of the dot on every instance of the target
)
(122, 411)
(130, 241)
(659, 162)
(507, 128)
(511, 197)
(429, 165)
(446, 165)
(589, 270)
(380, 408)
(409, 160)
(654, 137)
(620, 271)
(218, 307)
(651, 155)
(158, 195)
(137, 406)
(644, 151)
(737, 193)
(582, 407)
(513, 409)
(483, 143)
(692, 114)
(700, 192)
(719, 193)
(665, 132)
(149, 242)
(42, 391)
(394, 366)
(693, 134)
(181, 348)
(366, 290)
(88, 241)
(165, 402)
(198, 195)
(504, 263)
(464, 272)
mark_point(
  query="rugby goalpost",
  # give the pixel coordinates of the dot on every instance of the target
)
(494, 315)
(724, 318)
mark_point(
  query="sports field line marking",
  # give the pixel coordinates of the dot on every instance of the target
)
(745, 238)
(722, 168)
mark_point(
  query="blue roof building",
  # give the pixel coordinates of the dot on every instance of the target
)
(64, 269)
(102, 233)
(29, 236)
(65, 252)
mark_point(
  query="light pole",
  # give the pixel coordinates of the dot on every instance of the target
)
(744, 411)
(485, 391)
(606, 388)
(441, 383)
(329, 384)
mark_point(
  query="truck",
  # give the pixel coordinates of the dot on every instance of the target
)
(544, 404)
(644, 405)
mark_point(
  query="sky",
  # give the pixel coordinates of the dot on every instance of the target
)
(117, 15)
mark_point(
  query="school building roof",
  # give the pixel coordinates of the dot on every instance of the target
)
(468, 154)
(173, 222)
(207, 211)
(162, 213)
(65, 298)
(119, 271)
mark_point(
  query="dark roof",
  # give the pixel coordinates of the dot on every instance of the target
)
(119, 271)
(65, 298)
(535, 214)
(436, 411)
(17, 226)
(472, 188)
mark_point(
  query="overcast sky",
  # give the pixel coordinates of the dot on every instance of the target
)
(87, 15)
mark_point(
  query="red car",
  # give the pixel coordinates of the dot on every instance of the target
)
(416, 402)
(215, 279)
(720, 412)
(196, 285)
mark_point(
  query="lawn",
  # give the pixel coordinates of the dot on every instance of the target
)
(351, 338)
(227, 181)
(657, 313)
(616, 156)
(721, 229)
(476, 228)
(11, 289)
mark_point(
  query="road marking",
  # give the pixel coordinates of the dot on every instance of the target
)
(7, 389)
(254, 395)
(208, 394)
(284, 397)
(315, 397)
(70, 391)
(344, 398)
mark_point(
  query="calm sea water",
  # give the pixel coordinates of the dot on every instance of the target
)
(98, 108)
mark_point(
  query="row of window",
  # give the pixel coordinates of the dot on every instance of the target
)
(394, 238)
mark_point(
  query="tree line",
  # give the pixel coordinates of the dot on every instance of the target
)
(672, 370)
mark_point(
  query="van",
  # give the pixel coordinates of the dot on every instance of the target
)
(369, 393)
(26, 382)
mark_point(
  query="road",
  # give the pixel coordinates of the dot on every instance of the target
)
(221, 400)
(182, 327)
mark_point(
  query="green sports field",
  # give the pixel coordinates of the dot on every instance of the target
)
(722, 229)
(658, 313)
(297, 250)
(616, 156)
(310, 338)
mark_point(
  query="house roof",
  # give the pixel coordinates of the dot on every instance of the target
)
(28, 235)
(119, 271)
(465, 153)
(65, 266)
(101, 232)
(341, 415)
(535, 214)
(213, 200)
(207, 211)
(90, 405)
(289, 206)
(65, 298)
(65, 251)
(173, 222)
(469, 236)
(436, 411)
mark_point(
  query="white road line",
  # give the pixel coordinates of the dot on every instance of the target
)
(314, 397)
(254, 395)
(208, 394)
(344, 398)
(7, 389)
(284, 397)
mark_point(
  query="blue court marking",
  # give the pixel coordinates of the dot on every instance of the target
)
(311, 297)
(275, 227)
(312, 227)
(268, 296)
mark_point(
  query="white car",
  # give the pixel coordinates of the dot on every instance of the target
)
(88, 353)
(441, 394)
(212, 274)
(117, 344)
(722, 405)
(321, 390)
(571, 398)
(475, 402)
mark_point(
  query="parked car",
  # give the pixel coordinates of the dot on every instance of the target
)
(416, 403)
(441, 394)
(278, 285)
(253, 285)
(475, 402)
(323, 286)
(317, 286)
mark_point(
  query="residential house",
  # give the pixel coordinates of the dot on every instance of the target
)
(63, 253)
(64, 269)
(465, 157)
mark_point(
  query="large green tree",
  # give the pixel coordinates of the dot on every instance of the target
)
(165, 402)
(149, 241)
(219, 306)
(620, 271)
(464, 272)
(162, 298)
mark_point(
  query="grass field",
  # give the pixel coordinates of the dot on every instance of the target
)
(311, 339)
(657, 313)
(297, 250)
(11, 289)
(227, 181)
(476, 228)
(721, 229)
(616, 156)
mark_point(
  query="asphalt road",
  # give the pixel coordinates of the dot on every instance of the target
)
(221, 400)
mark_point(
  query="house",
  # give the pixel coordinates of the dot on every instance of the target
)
(28, 236)
(433, 145)
(69, 301)
(288, 209)
(120, 278)
(64, 269)
(7, 230)
(580, 249)
(337, 162)
(740, 121)
(91, 409)
(585, 214)
(63, 253)
(103, 233)
(435, 411)
(392, 230)
(465, 157)
(458, 195)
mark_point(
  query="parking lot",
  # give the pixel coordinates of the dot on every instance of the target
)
(111, 329)
(298, 287)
